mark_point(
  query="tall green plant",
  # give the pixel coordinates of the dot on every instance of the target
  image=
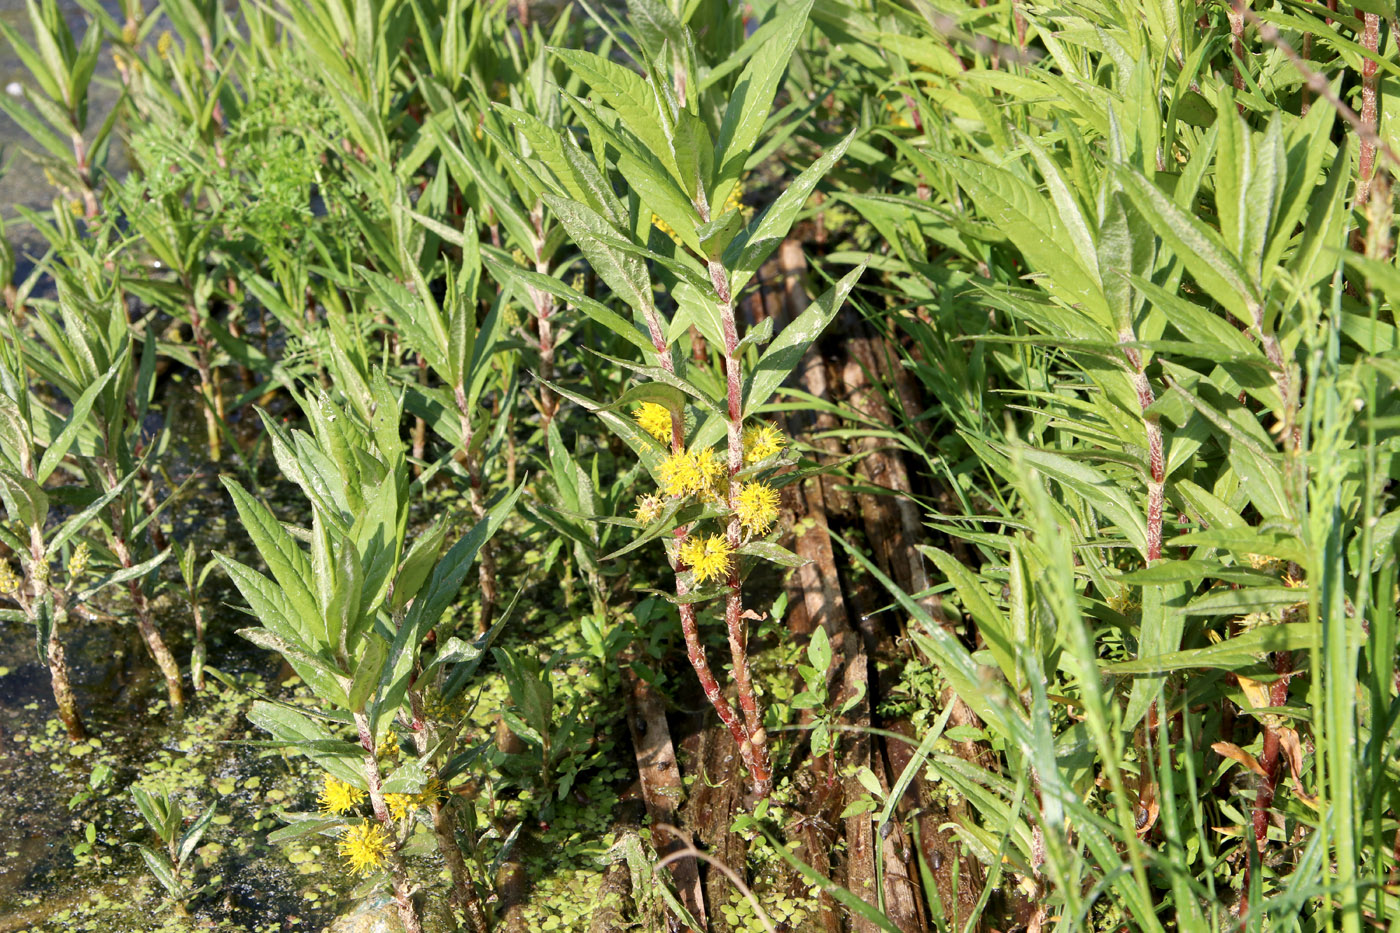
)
(351, 617)
(681, 164)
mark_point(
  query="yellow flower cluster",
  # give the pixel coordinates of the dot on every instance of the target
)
(654, 419)
(338, 796)
(649, 509)
(757, 507)
(708, 557)
(77, 563)
(438, 709)
(164, 44)
(761, 442)
(735, 201)
(692, 473)
(401, 805)
(9, 580)
(365, 846)
(666, 228)
(388, 746)
(704, 473)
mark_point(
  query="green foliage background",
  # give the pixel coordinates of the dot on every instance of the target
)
(421, 256)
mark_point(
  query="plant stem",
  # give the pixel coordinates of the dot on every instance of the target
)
(734, 604)
(145, 624)
(1156, 459)
(690, 629)
(62, 688)
(464, 894)
(1366, 163)
(197, 654)
(486, 572)
(209, 391)
(544, 309)
(403, 895)
(1269, 757)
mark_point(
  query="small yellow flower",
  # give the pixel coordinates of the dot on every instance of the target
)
(9, 580)
(164, 44)
(666, 228)
(679, 474)
(78, 561)
(692, 473)
(712, 470)
(365, 845)
(75, 207)
(735, 201)
(400, 805)
(388, 746)
(648, 509)
(429, 795)
(761, 442)
(707, 557)
(339, 797)
(654, 419)
(757, 507)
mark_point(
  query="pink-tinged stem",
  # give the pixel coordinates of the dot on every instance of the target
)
(690, 628)
(1156, 459)
(1366, 164)
(403, 895)
(734, 603)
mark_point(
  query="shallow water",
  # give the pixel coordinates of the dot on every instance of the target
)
(22, 180)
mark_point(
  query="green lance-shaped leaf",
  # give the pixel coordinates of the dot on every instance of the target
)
(1163, 623)
(629, 94)
(416, 318)
(596, 310)
(992, 623)
(644, 173)
(783, 354)
(1200, 248)
(1241, 651)
(329, 685)
(1031, 222)
(77, 419)
(421, 558)
(624, 272)
(752, 99)
(774, 553)
(745, 254)
(432, 601)
(279, 551)
(297, 730)
(1098, 490)
(25, 501)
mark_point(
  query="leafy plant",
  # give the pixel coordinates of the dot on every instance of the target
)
(171, 867)
(351, 618)
(683, 171)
